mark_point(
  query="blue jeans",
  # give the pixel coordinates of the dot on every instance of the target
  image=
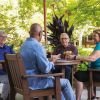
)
(6, 87)
(67, 91)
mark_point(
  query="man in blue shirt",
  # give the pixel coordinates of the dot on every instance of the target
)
(36, 62)
(3, 76)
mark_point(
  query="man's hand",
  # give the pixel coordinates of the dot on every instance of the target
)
(55, 57)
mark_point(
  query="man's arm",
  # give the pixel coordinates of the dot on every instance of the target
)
(43, 64)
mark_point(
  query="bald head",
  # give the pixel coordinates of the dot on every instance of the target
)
(36, 31)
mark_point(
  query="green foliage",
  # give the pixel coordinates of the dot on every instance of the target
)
(83, 66)
(17, 15)
(77, 12)
(15, 41)
(84, 52)
(57, 27)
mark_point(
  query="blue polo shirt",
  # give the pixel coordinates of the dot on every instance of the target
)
(96, 64)
(4, 49)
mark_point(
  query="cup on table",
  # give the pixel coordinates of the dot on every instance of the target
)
(67, 54)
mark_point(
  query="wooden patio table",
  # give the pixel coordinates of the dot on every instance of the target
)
(62, 63)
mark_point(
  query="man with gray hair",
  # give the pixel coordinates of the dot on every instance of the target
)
(3, 76)
(64, 48)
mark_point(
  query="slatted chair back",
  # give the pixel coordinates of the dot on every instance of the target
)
(16, 69)
(19, 83)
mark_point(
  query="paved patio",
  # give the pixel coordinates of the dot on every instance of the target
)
(84, 94)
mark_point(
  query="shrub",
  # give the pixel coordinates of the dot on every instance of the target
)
(84, 52)
(58, 26)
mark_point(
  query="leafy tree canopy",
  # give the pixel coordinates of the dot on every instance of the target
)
(17, 15)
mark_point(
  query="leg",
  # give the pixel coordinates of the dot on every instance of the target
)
(80, 76)
(67, 90)
(62, 96)
(79, 89)
(6, 88)
(96, 78)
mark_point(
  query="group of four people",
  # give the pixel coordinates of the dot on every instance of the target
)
(36, 62)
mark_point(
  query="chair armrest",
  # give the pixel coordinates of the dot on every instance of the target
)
(56, 82)
(91, 69)
(43, 75)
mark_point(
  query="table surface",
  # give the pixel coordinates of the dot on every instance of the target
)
(67, 62)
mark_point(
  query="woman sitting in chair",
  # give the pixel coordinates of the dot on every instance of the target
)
(94, 58)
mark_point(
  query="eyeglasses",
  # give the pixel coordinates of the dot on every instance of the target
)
(64, 38)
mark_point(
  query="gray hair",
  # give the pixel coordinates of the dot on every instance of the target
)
(2, 33)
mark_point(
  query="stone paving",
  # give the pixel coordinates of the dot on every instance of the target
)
(84, 94)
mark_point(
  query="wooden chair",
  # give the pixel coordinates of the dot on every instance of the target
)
(19, 84)
(92, 83)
